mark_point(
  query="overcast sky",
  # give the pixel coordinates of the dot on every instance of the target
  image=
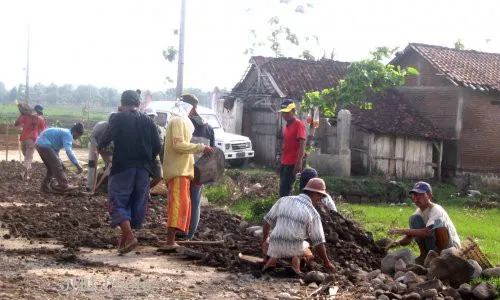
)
(119, 43)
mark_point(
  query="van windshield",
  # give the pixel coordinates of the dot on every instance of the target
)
(212, 120)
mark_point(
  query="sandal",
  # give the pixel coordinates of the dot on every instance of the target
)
(127, 248)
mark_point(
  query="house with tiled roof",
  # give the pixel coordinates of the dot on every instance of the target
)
(458, 91)
(392, 137)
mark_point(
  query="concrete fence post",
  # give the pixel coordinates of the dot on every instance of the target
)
(344, 141)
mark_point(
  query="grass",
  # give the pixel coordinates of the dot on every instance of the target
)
(481, 224)
(9, 112)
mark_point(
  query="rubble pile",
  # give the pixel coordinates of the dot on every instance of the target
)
(444, 276)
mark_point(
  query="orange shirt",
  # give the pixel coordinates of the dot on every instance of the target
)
(32, 126)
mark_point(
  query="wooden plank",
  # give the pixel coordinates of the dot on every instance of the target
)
(201, 243)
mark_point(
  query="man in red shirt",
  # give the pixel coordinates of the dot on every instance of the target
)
(32, 126)
(294, 143)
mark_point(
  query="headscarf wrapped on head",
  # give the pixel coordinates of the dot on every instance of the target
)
(182, 109)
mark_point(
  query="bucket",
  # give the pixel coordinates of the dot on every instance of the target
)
(209, 168)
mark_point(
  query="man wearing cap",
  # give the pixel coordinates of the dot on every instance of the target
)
(295, 219)
(178, 168)
(306, 175)
(430, 225)
(294, 143)
(136, 144)
(32, 125)
(48, 144)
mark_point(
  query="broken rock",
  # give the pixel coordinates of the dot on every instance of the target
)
(492, 272)
(430, 256)
(451, 268)
(389, 261)
(477, 269)
(412, 296)
(484, 290)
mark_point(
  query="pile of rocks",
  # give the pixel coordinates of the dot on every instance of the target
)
(443, 277)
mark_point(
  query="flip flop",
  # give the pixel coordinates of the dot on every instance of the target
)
(171, 249)
(127, 248)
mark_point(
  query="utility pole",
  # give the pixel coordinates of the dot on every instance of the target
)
(180, 67)
(27, 88)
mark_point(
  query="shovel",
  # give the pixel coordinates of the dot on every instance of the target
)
(105, 174)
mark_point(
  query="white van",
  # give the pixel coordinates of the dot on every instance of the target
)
(237, 148)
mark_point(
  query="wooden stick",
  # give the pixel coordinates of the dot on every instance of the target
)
(19, 147)
(201, 243)
(7, 144)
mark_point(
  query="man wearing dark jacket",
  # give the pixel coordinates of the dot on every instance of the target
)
(136, 144)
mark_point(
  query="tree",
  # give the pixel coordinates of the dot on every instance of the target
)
(278, 35)
(363, 78)
(459, 45)
(12, 95)
(3, 91)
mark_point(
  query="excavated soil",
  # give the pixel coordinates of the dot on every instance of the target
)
(80, 220)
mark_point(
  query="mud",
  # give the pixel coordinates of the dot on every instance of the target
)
(80, 221)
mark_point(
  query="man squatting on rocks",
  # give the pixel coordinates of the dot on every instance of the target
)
(295, 219)
(178, 169)
(430, 225)
(136, 145)
(203, 134)
(294, 143)
(48, 145)
(32, 125)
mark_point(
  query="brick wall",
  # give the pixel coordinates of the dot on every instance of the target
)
(479, 148)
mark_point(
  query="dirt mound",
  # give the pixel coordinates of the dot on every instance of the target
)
(348, 243)
(80, 220)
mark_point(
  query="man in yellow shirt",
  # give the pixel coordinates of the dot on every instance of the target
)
(178, 168)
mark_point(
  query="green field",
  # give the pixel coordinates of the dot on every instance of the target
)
(481, 224)
(9, 112)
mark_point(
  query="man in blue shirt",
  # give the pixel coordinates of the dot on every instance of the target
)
(48, 144)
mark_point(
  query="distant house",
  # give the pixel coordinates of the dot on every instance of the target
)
(458, 91)
(267, 81)
(392, 137)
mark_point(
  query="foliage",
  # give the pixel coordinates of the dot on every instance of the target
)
(170, 54)
(459, 45)
(279, 35)
(363, 78)
(217, 194)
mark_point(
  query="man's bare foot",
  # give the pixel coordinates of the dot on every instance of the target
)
(128, 246)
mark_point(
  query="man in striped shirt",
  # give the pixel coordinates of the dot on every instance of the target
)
(295, 219)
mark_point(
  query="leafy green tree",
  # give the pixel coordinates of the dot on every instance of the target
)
(12, 95)
(3, 91)
(363, 78)
(459, 45)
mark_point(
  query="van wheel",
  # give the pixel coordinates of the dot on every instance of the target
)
(238, 162)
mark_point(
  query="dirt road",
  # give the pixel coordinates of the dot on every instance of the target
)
(60, 247)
